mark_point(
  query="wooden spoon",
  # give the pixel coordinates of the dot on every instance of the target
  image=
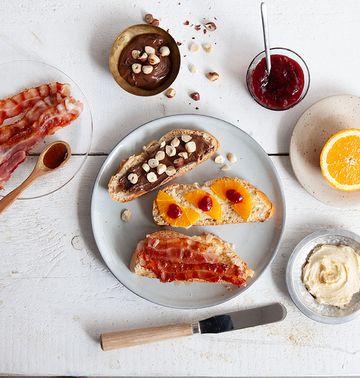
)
(54, 156)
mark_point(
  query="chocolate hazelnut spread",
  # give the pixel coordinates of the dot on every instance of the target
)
(160, 71)
(202, 147)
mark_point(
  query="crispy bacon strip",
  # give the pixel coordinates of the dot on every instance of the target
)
(30, 117)
(184, 260)
(21, 102)
(13, 151)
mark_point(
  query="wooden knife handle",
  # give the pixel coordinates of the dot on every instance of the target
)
(124, 339)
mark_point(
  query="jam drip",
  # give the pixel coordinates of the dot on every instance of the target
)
(184, 260)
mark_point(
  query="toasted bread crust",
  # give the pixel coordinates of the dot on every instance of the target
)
(263, 207)
(122, 196)
(226, 252)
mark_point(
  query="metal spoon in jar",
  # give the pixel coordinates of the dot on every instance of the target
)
(53, 157)
(265, 28)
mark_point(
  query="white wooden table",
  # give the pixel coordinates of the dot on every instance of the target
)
(56, 294)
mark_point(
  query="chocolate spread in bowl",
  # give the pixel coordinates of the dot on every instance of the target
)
(202, 148)
(161, 70)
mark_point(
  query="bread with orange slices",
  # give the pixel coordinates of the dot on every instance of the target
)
(173, 155)
(253, 205)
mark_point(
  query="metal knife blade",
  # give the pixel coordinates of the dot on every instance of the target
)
(243, 319)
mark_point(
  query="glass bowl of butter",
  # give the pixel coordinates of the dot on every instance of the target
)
(323, 276)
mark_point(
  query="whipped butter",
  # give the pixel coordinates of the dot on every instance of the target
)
(332, 274)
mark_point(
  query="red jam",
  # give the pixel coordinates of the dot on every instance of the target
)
(174, 211)
(233, 196)
(283, 87)
(206, 203)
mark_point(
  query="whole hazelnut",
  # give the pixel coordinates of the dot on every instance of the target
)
(156, 22)
(149, 18)
(212, 76)
(210, 26)
(195, 96)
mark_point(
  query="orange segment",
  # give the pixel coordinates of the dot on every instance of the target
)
(187, 218)
(340, 160)
(221, 186)
(196, 196)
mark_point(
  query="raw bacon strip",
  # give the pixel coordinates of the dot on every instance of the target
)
(29, 118)
(18, 145)
(184, 259)
(13, 106)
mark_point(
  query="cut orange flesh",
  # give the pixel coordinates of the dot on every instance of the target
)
(340, 160)
(196, 196)
(221, 186)
(188, 216)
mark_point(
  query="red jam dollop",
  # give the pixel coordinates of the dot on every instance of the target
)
(174, 211)
(233, 196)
(206, 203)
(283, 87)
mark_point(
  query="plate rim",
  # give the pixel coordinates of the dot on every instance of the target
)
(292, 144)
(86, 155)
(282, 196)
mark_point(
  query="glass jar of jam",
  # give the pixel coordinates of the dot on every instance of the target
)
(287, 84)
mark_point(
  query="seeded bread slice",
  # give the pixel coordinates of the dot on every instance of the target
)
(224, 250)
(124, 196)
(262, 208)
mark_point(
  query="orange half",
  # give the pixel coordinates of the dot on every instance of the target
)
(196, 196)
(340, 160)
(187, 218)
(221, 186)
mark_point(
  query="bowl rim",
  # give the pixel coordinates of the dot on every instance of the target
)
(136, 91)
(333, 320)
(306, 73)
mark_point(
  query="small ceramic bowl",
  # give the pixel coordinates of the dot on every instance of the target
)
(281, 51)
(299, 294)
(124, 38)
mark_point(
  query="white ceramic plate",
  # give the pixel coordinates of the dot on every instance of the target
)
(311, 132)
(256, 243)
(17, 75)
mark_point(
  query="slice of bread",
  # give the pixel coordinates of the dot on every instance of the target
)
(117, 193)
(262, 208)
(222, 251)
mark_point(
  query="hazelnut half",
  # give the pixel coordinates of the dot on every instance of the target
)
(211, 26)
(212, 76)
(170, 93)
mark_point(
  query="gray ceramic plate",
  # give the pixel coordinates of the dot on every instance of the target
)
(256, 243)
(299, 294)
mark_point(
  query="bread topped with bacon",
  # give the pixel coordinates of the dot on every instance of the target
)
(170, 256)
(174, 154)
(225, 200)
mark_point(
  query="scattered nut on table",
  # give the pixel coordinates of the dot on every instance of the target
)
(155, 22)
(126, 215)
(149, 18)
(192, 68)
(211, 26)
(212, 76)
(194, 47)
(195, 96)
(219, 159)
(170, 93)
(164, 51)
(231, 157)
(208, 47)
(226, 167)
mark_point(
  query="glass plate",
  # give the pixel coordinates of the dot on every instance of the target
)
(17, 75)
